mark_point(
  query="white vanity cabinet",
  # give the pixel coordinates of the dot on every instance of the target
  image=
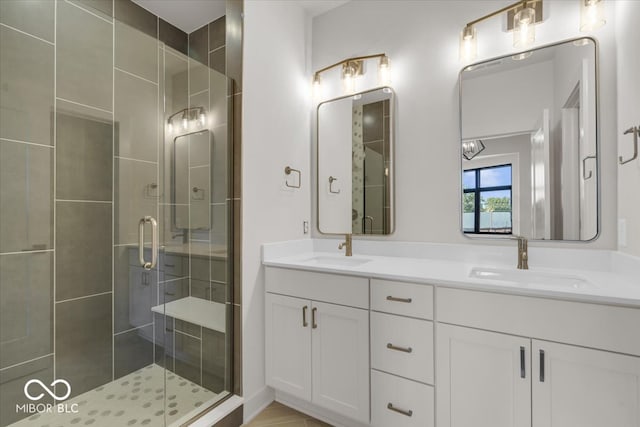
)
(516, 376)
(317, 340)
(584, 387)
(402, 364)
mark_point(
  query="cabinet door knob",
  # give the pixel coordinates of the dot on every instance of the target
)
(314, 325)
(408, 413)
(396, 299)
(404, 349)
(304, 317)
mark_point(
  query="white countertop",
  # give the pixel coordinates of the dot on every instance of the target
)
(604, 287)
(199, 311)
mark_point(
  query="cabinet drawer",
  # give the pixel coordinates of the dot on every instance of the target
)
(173, 265)
(402, 346)
(333, 288)
(389, 392)
(406, 299)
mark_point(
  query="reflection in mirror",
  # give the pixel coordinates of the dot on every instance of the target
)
(355, 149)
(529, 144)
(190, 181)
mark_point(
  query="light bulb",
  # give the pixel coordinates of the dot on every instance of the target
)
(468, 44)
(384, 71)
(524, 30)
(348, 78)
(170, 127)
(203, 119)
(591, 14)
(317, 87)
(185, 122)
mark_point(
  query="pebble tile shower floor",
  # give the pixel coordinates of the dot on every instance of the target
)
(137, 399)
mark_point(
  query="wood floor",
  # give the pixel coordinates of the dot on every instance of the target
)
(278, 415)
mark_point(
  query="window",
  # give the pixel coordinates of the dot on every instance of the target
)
(486, 200)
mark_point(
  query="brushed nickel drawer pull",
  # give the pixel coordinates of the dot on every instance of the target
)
(314, 325)
(400, 411)
(404, 349)
(304, 317)
(395, 299)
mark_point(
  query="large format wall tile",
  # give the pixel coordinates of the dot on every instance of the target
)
(136, 16)
(199, 44)
(26, 79)
(213, 360)
(136, 112)
(31, 16)
(12, 382)
(26, 197)
(133, 350)
(172, 36)
(187, 358)
(83, 249)
(135, 290)
(136, 52)
(134, 198)
(84, 143)
(85, 57)
(26, 312)
(217, 31)
(83, 342)
(220, 165)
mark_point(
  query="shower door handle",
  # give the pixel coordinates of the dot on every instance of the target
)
(154, 242)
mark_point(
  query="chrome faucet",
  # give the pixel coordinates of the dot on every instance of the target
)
(523, 252)
(347, 244)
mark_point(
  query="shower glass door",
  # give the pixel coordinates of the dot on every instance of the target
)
(114, 285)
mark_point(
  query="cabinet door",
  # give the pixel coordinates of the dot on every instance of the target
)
(288, 345)
(575, 386)
(482, 379)
(340, 359)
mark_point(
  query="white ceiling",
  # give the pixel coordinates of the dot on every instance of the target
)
(188, 15)
(318, 7)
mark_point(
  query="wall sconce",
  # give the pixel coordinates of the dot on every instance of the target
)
(195, 115)
(351, 69)
(525, 13)
(591, 15)
(470, 149)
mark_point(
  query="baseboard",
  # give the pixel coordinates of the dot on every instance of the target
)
(256, 403)
(316, 412)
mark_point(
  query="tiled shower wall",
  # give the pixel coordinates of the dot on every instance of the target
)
(61, 233)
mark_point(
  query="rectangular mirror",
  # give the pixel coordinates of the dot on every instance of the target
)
(355, 163)
(529, 147)
(190, 181)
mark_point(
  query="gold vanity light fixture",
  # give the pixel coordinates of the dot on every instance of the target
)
(526, 13)
(190, 115)
(591, 14)
(351, 68)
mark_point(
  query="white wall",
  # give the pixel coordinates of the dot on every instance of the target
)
(629, 115)
(421, 38)
(506, 102)
(275, 131)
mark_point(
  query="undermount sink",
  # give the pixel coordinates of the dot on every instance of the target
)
(528, 277)
(341, 261)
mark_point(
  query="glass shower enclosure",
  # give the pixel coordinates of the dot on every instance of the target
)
(115, 292)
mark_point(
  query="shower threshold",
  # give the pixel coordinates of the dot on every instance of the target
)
(137, 399)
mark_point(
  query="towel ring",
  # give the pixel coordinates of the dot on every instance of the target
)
(288, 171)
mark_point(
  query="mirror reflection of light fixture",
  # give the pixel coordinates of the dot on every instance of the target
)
(521, 56)
(524, 30)
(195, 115)
(472, 148)
(591, 14)
(351, 69)
(526, 13)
